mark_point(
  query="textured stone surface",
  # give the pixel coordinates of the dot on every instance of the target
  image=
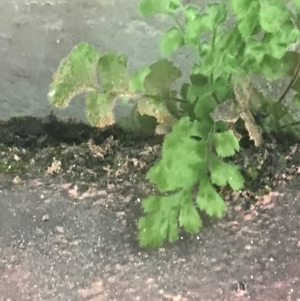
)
(57, 244)
(36, 35)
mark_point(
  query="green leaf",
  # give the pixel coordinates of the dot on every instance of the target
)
(155, 106)
(296, 86)
(137, 79)
(248, 24)
(204, 129)
(221, 60)
(217, 14)
(152, 7)
(162, 75)
(272, 17)
(191, 12)
(222, 173)
(289, 33)
(240, 7)
(227, 64)
(161, 221)
(254, 54)
(146, 123)
(157, 87)
(226, 144)
(199, 80)
(170, 173)
(76, 75)
(152, 230)
(163, 204)
(199, 92)
(297, 6)
(273, 45)
(162, 216)
(128, 118)
(235, 178)
(209, 200)
(231, 42)
(218, 172)
(194, 28)
(184, 90)
(205, 105)
(171, 40)
(278, 110)
(99, 109)
(189, 217)
(113, 72)
(223, 88)
(274, 68)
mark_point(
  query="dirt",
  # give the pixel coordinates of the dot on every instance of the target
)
(70, 199)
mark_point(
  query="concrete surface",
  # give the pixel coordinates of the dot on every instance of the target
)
(58, 244)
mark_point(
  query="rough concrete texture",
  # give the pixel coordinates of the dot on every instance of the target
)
(36, 35)
(58, 245)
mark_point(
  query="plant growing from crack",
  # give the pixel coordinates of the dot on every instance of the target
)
(205, 111)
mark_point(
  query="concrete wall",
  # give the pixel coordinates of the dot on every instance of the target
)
(36, 35)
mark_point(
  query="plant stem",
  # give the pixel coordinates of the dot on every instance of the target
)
(178, 23)
(290, 124)
(292, 82)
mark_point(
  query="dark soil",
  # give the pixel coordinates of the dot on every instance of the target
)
(69, 204)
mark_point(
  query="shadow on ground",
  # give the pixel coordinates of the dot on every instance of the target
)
(70, 200)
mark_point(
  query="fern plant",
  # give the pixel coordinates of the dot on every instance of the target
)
(204, 112)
